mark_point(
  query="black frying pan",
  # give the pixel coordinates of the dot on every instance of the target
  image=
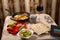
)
(18, 13)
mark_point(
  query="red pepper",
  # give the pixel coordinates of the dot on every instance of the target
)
(23, 23)
(14, 30)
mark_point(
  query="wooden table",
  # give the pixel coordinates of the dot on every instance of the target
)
(7, 36)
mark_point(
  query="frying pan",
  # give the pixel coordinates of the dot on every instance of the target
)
(18, 13)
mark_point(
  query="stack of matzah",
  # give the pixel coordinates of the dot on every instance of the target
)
(39, 28)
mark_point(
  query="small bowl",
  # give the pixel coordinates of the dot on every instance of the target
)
(25, 37)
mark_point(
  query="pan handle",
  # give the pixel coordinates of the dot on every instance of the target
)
(10, 11)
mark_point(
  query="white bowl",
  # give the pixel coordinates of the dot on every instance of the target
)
(25, 37)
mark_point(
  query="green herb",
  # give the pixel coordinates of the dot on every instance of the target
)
(20, 28)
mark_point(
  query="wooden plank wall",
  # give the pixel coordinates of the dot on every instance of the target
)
(30, 6)
(1, 18)
(57, 13)
(1, 14)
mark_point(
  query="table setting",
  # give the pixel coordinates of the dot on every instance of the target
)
(26, 26)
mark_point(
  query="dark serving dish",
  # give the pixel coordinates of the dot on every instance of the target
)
(18, 13)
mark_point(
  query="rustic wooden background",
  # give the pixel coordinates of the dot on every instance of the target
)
(51, 7)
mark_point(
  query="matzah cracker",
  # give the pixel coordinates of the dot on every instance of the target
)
(39, 28)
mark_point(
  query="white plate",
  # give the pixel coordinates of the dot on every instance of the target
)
(25, 37)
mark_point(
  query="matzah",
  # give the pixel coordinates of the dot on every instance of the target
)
(39, 28)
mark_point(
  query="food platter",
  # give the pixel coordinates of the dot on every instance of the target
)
(20, 16)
